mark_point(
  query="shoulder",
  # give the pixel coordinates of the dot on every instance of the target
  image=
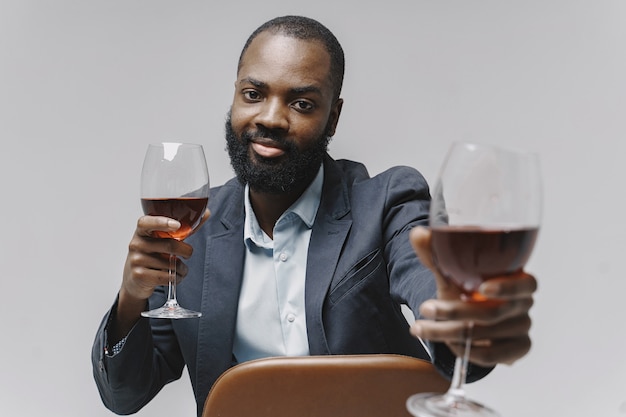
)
(402, 174)
(355, 174)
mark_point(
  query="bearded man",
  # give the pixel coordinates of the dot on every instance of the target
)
(301, 254)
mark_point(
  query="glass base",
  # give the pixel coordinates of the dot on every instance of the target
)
(446, 405)
(171, 310)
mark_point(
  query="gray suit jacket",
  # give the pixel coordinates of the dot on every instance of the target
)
(360, 269)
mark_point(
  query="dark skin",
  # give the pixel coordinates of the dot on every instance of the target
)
(283, 84)
(501, 326)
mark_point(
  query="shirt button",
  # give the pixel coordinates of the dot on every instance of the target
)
(291, 318)
(283, 256)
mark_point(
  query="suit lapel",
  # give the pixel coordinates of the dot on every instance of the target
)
(225, 255)
(223, 272)
(329, 233)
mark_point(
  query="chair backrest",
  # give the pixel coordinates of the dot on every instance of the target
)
(322, 386)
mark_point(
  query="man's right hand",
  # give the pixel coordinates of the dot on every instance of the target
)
(146, 267)
(147, 263)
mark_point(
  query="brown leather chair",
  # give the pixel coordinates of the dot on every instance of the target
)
(322, 386)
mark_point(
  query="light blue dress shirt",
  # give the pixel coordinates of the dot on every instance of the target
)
(271, 320)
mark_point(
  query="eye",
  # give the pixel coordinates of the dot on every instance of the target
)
(303, 105)
(251, 95)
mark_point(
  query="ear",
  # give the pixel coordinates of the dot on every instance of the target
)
(333, 118)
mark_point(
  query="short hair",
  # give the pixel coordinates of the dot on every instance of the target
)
(305, 28)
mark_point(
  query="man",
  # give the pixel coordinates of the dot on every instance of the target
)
(301, 255)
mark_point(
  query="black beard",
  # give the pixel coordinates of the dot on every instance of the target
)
(295, 170)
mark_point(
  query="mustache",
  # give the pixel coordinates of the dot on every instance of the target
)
(265, 133)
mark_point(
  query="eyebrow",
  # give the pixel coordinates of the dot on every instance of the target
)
(253, 81)
(296, 90)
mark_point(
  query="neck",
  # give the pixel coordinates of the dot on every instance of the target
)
(269, 207)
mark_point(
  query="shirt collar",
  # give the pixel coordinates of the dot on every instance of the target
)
(305, 207)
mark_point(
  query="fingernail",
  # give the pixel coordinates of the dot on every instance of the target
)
(416, 330)
(428, 310)
(173, 224)
(488, 289)
(482, 343)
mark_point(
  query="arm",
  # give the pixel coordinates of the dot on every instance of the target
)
(149, 359)
(151, 356)
(412, 282)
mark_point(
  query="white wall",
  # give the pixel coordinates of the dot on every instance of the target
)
(85, 85)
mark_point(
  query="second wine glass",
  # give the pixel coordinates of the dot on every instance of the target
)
(484, 219)
(174, 184)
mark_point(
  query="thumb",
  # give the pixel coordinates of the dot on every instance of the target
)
(420, 238)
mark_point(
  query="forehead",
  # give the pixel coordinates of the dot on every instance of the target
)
(276, 58)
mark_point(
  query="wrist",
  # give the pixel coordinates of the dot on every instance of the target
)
(127, 313)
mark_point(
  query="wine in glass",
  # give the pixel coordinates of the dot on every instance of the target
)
(174, 184)
(484, 219)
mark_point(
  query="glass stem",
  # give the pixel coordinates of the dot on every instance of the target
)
(456, 391)
(171, 292)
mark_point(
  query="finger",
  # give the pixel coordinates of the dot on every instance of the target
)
(505, 351)
(156, 262)
(512, 286)
(485, 352)
(154, 277)
(420, 238)
(147, 225)
(140, 280)
(440, 331)
(458, 331)
(511, 328)
(481, 313)
(149, 277)
(152, 245)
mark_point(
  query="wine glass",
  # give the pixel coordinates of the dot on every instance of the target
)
(484, 219)
(174, 184)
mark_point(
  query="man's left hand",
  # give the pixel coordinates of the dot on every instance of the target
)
(498, 326)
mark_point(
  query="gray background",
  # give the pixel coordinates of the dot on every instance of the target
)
(85, 85)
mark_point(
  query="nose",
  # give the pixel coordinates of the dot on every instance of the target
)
(273, 115)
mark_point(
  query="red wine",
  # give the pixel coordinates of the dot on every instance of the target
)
(467, 256)
(187, 210)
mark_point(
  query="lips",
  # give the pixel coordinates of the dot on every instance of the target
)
(267, 148)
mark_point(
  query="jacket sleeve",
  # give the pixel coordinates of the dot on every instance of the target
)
(411, 283)
(149, 359)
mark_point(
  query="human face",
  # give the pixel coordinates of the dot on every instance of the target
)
(283, 112)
